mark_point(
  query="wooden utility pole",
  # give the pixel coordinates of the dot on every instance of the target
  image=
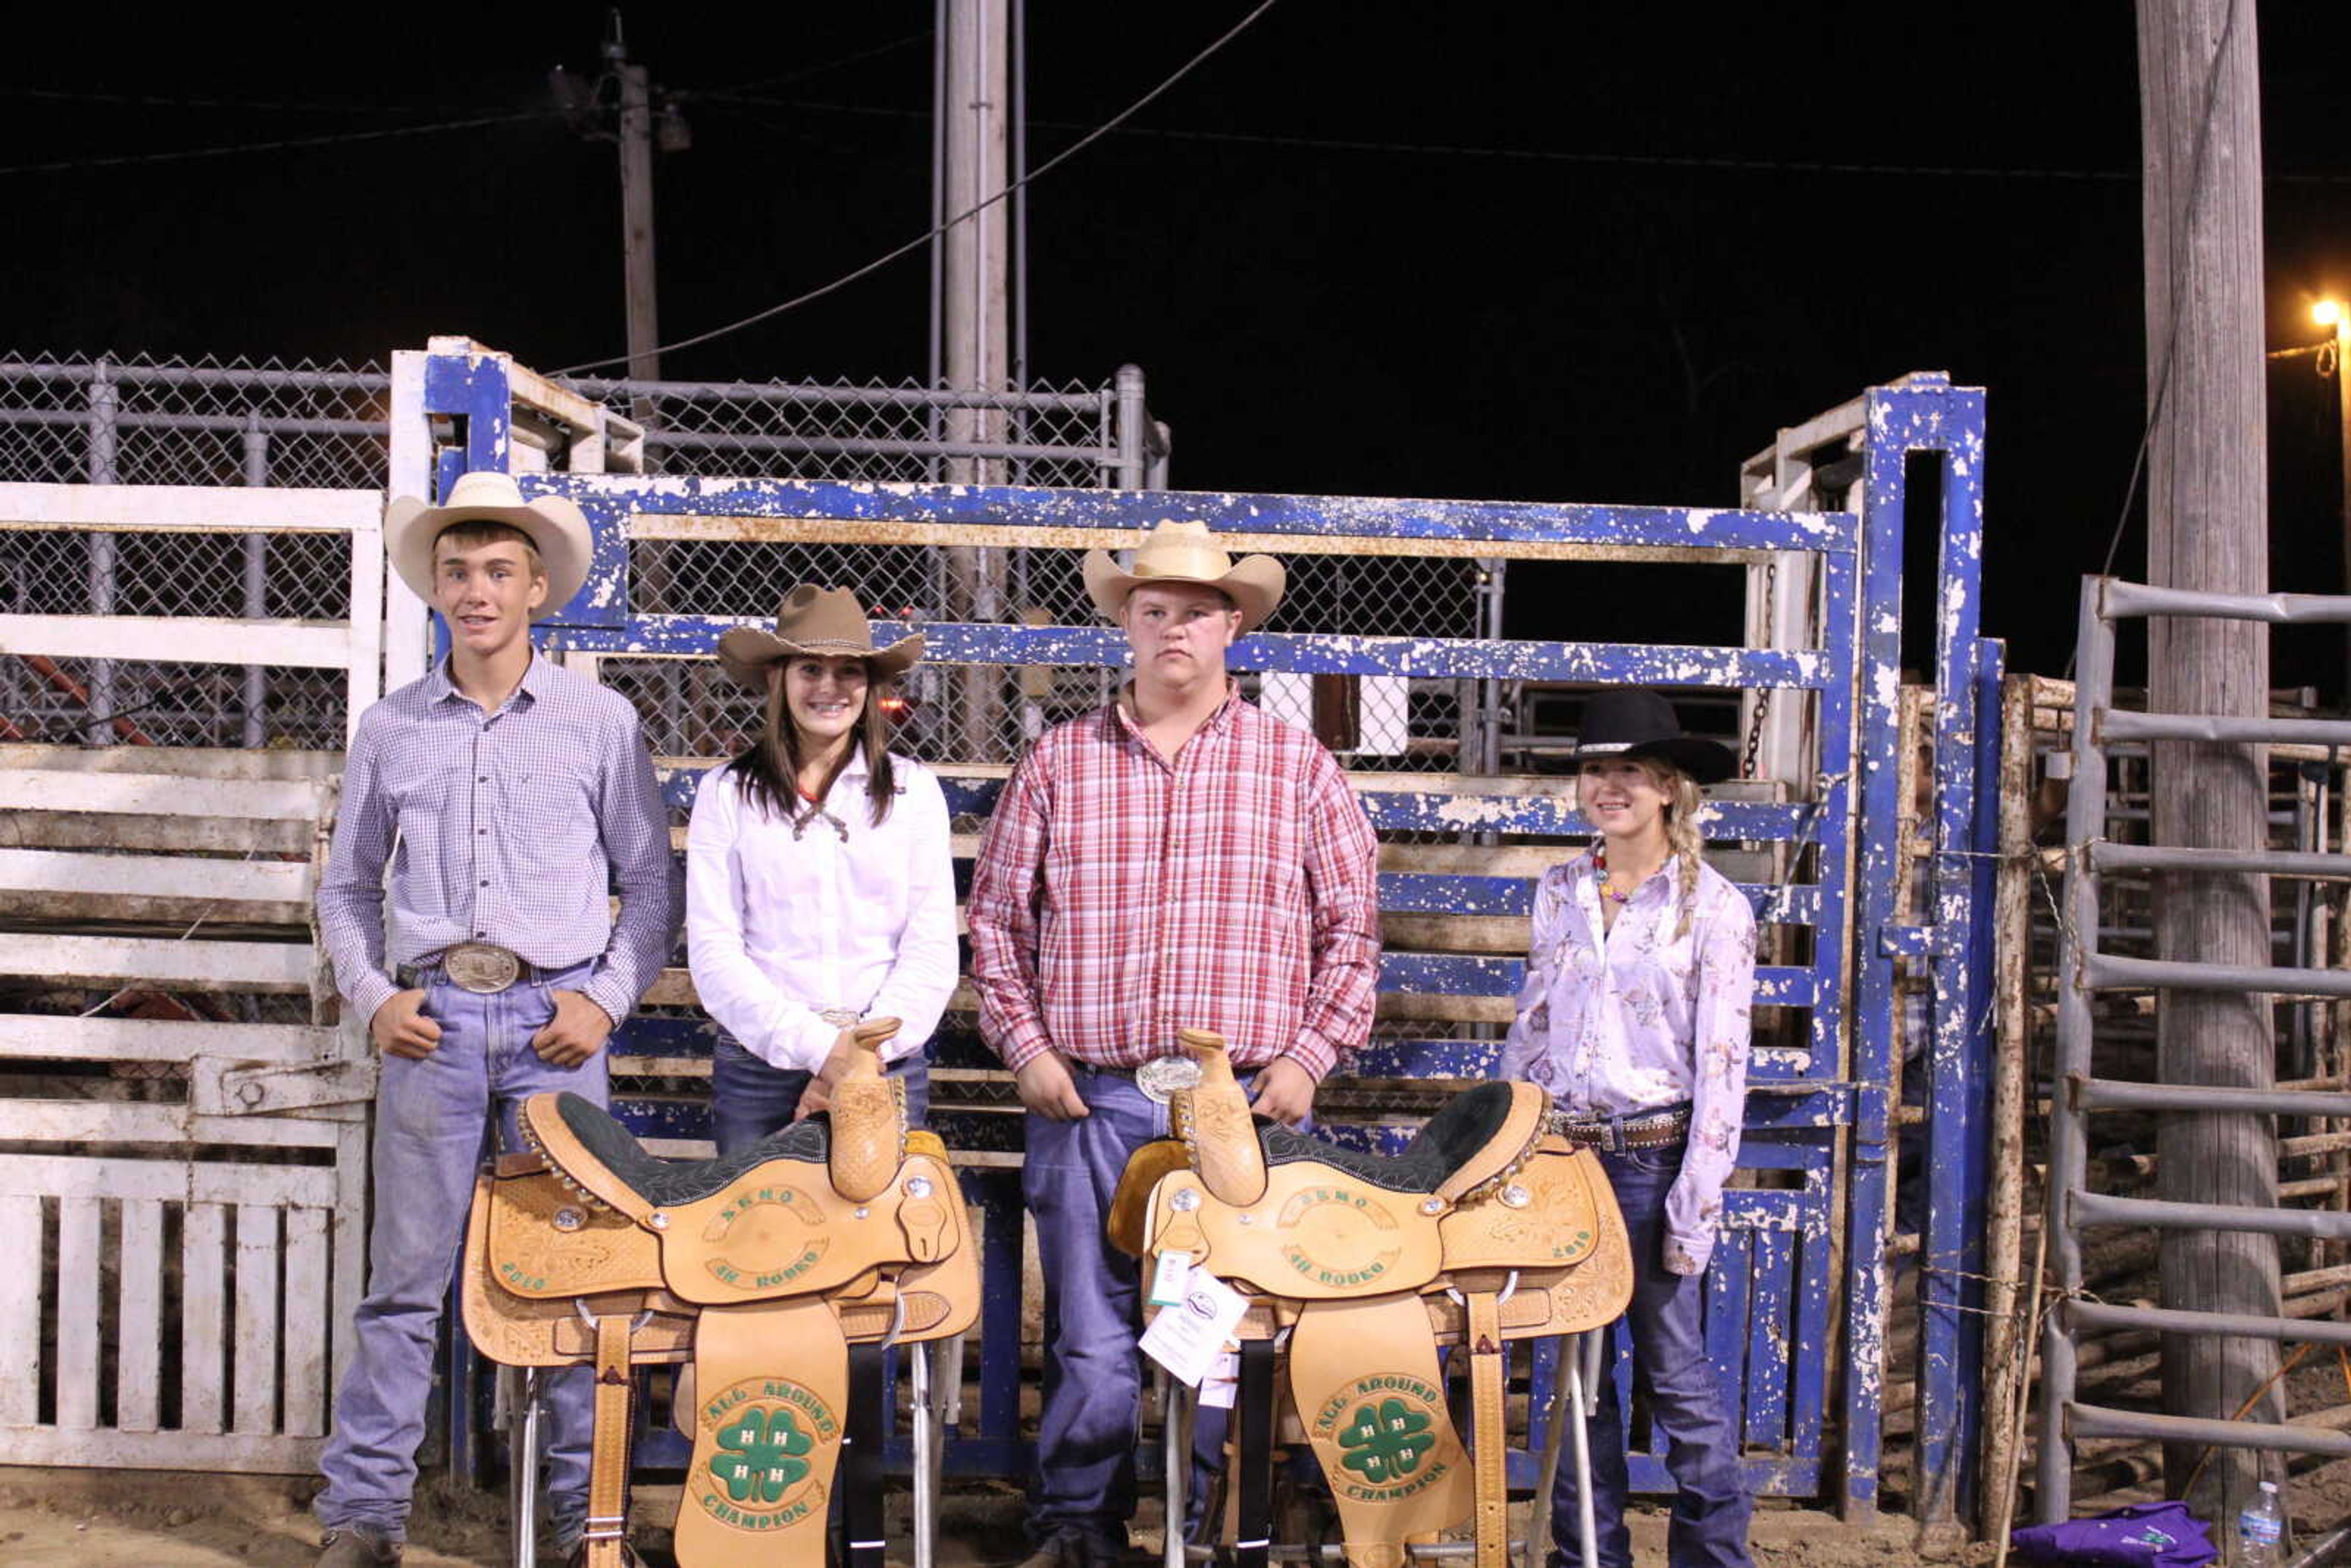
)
(636, 212)
(976, 317)
(2200, 99)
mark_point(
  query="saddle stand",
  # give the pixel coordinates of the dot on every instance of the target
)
(1358, 1269)
(777, 1277)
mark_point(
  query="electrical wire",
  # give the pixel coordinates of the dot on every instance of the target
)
(885, 259)
(282, 144)
(684, 95)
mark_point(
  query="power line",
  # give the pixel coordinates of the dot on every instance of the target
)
(805, 72)
(266, 106)
(282, 144)
(1559, 155)
(879, 262)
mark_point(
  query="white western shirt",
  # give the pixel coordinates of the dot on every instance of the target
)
(858, 917)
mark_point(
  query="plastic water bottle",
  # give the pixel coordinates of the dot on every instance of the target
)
(2261, 1530)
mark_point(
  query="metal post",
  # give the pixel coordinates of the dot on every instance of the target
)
(2342, 434)
(2085, 812)
(926, 1497)
(522, 1464)
(257, 582)
(1175, 1439)
(1127, 427)
(102, 471)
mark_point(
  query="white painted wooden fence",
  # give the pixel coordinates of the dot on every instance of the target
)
(183, 1212)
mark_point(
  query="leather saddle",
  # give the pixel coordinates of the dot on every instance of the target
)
(778, 1275)
(1357, 1268)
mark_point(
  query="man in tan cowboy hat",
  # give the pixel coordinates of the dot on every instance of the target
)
(1178, 858)
(508, 796)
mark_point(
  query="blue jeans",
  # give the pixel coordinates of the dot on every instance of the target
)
(433, 1122)
(1708, 1526)
(749, 1098)
(1092, 1412)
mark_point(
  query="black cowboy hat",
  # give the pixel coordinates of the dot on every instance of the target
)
(1633, 721)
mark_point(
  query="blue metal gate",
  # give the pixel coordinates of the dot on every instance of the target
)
(1797, 1297)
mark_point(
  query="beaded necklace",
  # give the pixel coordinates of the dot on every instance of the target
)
(1600, 869)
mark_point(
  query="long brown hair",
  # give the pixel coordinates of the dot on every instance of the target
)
(768, 770)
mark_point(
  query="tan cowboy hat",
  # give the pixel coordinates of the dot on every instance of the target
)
(555, 525)
(1187, 552)
(813, 619)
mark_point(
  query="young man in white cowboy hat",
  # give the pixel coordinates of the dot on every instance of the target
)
(508, 796)
(1178, 858)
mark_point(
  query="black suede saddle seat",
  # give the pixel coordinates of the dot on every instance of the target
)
(669, 1184)
(1465, 1125)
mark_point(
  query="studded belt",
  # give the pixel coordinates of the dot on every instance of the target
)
(1615, 1135)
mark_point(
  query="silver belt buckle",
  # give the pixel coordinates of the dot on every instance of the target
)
(1162, 1077)
(838, 1018)
(480, 967)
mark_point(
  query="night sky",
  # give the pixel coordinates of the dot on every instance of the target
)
(1520, 251)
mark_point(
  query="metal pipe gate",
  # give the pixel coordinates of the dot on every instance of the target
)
(1798, 1299)
(2075, 1090)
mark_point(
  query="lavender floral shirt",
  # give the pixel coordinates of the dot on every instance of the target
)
(1631, 1019)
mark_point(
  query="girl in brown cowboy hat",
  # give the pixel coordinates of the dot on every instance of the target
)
(819, 887)
(1634, 1017)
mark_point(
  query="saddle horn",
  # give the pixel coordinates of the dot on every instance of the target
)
(1217, 1125)
(869, 1120)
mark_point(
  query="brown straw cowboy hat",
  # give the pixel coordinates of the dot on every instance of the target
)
(556, 526)
(1187, 552)
(821, 621)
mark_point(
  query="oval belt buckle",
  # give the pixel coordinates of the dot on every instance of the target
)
(1163, 1077)
(479, 967)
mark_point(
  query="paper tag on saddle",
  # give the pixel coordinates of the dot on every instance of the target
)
(1185, 1337)
(1222, 1386)
(1168, 1278)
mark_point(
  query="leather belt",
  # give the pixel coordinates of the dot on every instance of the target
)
(1615, 1135)
(484, 968)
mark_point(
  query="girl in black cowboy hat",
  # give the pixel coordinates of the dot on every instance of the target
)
(819, 887)
(1634, 1017)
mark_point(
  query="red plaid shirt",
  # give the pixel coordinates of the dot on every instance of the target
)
(1119, 897)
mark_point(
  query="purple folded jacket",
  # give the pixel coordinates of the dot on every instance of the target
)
(2145, 1535)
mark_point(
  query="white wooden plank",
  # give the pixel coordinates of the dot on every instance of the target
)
(159, 793)
(196, 965)
(158, 876)
(309, 1311)
(55, 829)
(121, 1122)
(255, 1399)
(63, 1176)
(139, 1332)
(20, 1308)
(203, 1315)
(78, 1277)
(34, 1036)
(181, 761)
(203, 508)
(408, 645)
(350, 1232)
(179, 639)
(269, 1456)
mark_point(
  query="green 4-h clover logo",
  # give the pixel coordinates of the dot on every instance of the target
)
(1385, 1442)
(759, 1456)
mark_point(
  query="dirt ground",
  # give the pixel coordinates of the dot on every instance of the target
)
(79, 1519)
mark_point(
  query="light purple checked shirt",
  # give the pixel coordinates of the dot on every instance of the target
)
(1629, 1018)
(508, 827)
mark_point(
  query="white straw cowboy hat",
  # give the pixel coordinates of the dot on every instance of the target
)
(813, 620)
(1187, 552)
(555, 525)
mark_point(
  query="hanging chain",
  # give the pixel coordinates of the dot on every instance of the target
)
(1764, 695)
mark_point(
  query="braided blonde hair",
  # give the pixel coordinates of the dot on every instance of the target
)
(1682, 839)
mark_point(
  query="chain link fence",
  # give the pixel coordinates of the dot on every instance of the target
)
(233, 422)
